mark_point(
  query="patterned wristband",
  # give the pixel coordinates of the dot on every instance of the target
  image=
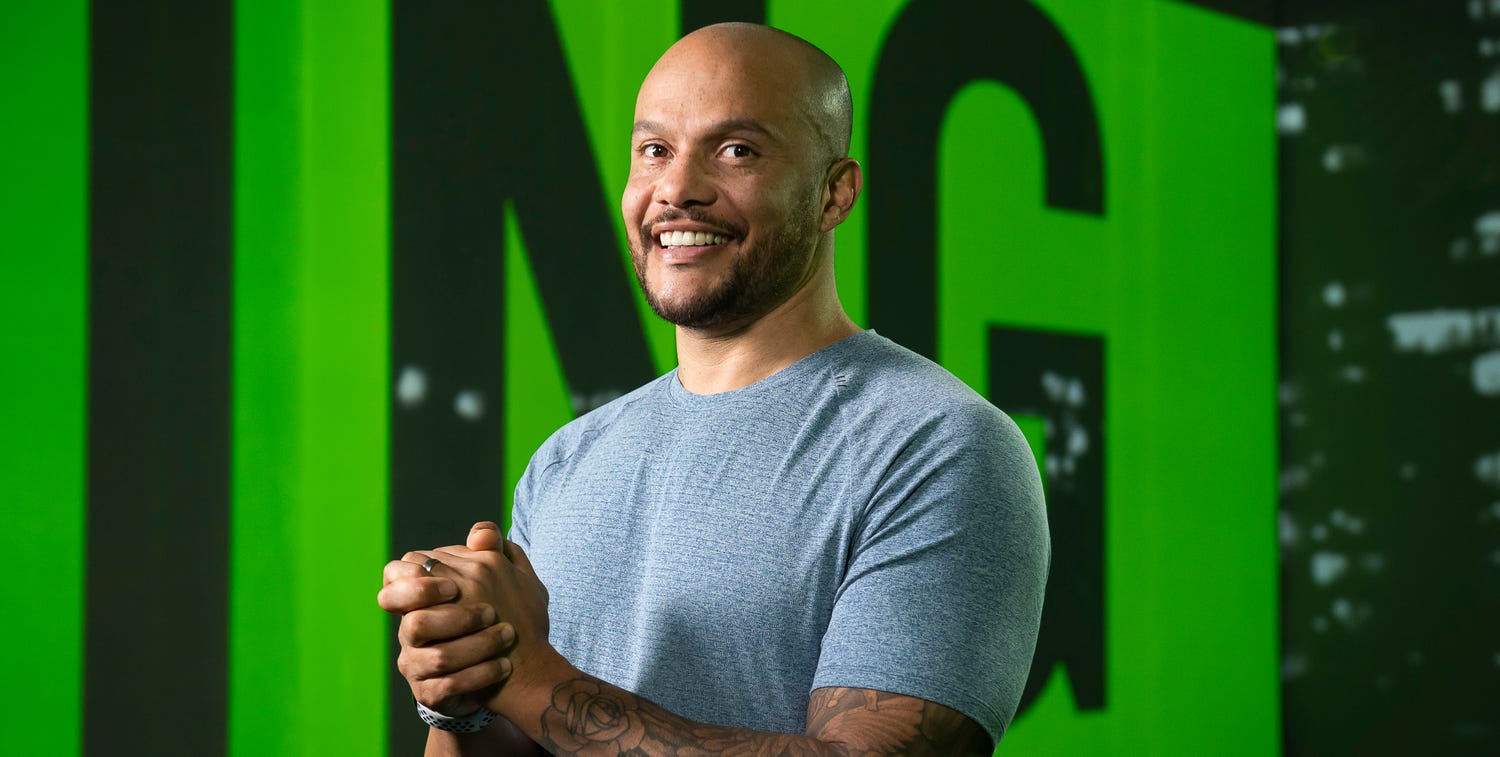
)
(471, 723)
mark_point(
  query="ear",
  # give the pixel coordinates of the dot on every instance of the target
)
(841, 188)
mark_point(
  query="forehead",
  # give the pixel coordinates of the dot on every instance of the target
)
(700, 88)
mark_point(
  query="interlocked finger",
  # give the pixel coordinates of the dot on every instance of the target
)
(406, 595)
(439, 692)
(447, 657)
(439, 623)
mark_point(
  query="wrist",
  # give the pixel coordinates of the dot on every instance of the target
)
(473, 722)
(527, 693)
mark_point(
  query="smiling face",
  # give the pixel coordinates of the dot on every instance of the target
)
(726, 197)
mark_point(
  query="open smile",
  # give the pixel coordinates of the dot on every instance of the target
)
(671, 239)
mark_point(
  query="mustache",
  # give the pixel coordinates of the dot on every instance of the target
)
(695, 215)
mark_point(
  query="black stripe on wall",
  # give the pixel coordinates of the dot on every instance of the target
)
(159, 375)
(933, 50)
(484, 114)
(697, 14)
(1257, 11)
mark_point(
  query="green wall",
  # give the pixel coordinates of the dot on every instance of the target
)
(1177, 277)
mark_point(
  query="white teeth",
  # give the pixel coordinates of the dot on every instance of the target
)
(690, 238)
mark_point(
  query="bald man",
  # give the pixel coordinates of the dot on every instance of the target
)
(804, 540)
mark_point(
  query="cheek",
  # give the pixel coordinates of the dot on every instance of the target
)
(633, 203)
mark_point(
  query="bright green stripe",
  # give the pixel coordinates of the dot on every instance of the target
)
(308, 655)
(44, 343)
(610, 46)
(536, 396)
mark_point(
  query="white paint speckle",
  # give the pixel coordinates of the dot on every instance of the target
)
(1487, 469)
(1374, 562)
(1291, 118)
(1054, 385)
(1408, 471)
(1486, 374)
(1354, 374)
(469, 405)
(1453, 95)
(1334, 294)
(1342, 610)
(411, 387)
(1287, 531)
(1436, 331)
(1327, 567)
(1294, 665)
(1320, 532)
(1078, 441)
(1487, 228)
(1333, 160)
(1293, 478)
(1289, 35)
(1459, 250)
(1288, 392)
(1489, 93)
(1320, 624)
(1486, 47)
(1335, 340)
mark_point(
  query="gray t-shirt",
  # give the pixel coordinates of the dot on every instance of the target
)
(861, 518)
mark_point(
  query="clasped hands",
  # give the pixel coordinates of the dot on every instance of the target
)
(476, 619)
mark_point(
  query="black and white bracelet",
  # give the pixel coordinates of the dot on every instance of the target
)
(472, 723)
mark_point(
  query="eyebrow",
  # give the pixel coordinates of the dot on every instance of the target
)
(722, 127)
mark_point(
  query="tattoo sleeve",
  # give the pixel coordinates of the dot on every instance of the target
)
(589, 717)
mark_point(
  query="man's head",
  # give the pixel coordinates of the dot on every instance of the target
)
(738, 174)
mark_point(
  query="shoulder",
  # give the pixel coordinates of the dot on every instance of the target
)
(894, 390)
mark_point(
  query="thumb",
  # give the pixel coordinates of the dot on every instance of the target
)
(484, 535)
(518, 558)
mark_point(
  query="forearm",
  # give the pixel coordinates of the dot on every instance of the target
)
(586, 715)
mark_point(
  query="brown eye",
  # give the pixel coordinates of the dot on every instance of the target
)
(738, 151)
(654, 151)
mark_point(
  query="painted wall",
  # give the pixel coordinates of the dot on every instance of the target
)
(293, 287)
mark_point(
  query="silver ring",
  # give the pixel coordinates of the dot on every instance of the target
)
(431, 561)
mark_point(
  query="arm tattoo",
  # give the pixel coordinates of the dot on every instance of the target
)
(589, 717)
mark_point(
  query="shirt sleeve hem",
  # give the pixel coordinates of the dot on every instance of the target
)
(939, 691)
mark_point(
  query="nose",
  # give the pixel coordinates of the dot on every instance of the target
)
(686, 182)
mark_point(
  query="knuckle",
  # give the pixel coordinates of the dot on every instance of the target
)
(442, 658)
(417, 626)
(441, 688)
(407, 667)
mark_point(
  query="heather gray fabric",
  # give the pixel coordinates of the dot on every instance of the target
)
(861, 518)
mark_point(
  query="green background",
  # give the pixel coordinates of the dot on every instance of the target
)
(1178, 276)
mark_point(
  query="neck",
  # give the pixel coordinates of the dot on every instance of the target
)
(722, 361)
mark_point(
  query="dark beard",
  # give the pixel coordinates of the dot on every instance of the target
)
(760, 278)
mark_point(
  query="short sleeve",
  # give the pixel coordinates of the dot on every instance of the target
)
(942, 598)
(520, 505)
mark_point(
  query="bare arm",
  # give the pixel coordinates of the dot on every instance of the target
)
(500, 738)
(548, 701)
(588, 716)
